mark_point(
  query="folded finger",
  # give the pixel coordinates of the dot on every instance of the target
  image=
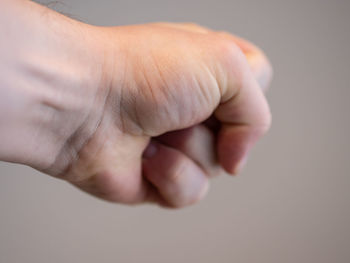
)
(243, 112)
(178, 179)
(257, 60)
(198, 143)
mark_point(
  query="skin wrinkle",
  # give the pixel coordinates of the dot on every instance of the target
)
(204, 92)
(76, 155)
(230, 53)
(122, 99)
(159, 71)
(215, 74)
(205, 98)
(72, 147)
(97, 149)
(122, 87)
(217, 85)
(120, 107)
(202, 99)
(217, 95)
(136, 111)
(150, 88)
(136, 115)
(162, 78)
(184, 115)
(172, 98)
(57, 130)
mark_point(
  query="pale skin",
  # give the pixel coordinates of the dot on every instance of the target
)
(130, 114)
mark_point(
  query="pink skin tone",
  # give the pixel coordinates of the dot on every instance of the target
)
(130, 114)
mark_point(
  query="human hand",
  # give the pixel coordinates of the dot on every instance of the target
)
(167, 85)
(130, 114)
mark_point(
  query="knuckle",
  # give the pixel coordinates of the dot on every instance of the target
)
(232, 60)
(266, 122)
(191, 24)
(224, 35)
(182, 200)
(195, 26)
(201, 193)
(179, 169)
(229, 51)
(185, 190)
(227, 48)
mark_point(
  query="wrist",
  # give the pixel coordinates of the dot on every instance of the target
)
(52, 88)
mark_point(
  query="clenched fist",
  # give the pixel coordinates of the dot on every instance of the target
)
(132, 114)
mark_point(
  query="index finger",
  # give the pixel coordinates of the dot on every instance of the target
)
(257, 60)
(243, 112)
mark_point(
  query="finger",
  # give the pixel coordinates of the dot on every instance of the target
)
(243, 112)
(258, 62)
(109, 172)
(178, 179)
(197, 143)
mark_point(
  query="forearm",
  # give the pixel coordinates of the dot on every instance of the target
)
(50, 71)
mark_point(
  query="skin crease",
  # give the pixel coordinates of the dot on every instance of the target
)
(172, 105)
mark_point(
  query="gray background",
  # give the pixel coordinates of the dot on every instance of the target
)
(291, 204)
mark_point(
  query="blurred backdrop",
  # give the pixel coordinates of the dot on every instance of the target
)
(292, 202)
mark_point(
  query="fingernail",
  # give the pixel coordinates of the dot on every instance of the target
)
(241, 164)
(150, 150)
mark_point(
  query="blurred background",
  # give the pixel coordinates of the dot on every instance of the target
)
(292, 202)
